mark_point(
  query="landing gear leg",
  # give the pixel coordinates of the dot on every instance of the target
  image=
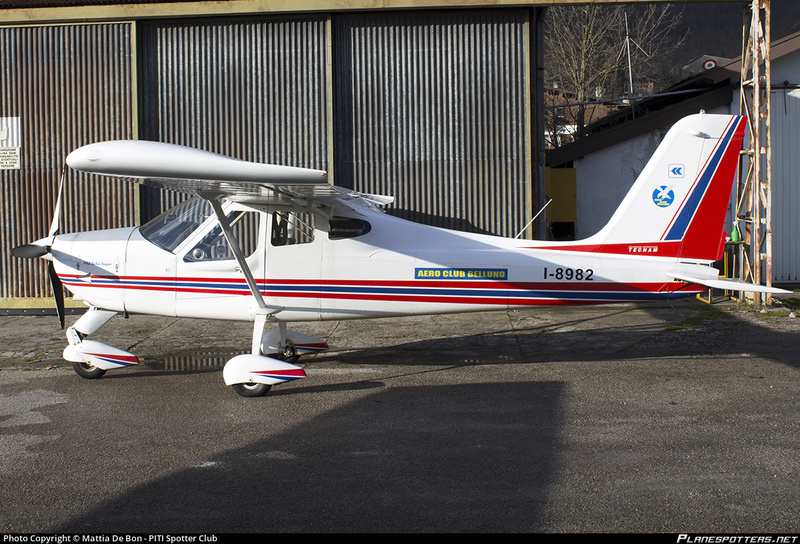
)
(89, 323)
(254, 389)
(271, 359)
(288, 351)
(258, 332)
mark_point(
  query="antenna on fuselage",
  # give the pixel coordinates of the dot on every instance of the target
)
(534, 219)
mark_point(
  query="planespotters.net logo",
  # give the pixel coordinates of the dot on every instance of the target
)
(737, 539)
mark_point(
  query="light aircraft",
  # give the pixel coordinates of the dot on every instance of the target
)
(276, 244)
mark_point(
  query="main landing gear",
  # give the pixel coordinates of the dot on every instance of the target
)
(272, 360)
(288, 355)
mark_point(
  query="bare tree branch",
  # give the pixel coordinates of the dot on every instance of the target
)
(587, 57)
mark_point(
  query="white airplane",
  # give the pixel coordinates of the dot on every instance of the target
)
(275, 244)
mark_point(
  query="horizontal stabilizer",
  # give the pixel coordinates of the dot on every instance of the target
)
(728, 284)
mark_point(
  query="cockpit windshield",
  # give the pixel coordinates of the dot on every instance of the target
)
(172, 227)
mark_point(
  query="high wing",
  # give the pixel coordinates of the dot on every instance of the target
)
(213, 176)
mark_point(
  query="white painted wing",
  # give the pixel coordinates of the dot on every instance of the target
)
(143, 159)
(727, 284)
(195, 171)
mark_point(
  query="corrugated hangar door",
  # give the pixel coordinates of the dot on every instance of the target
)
(62, 86)
(252, 89)
(432, 108)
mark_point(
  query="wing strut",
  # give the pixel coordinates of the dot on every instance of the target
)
(261, 317)
(237, 251)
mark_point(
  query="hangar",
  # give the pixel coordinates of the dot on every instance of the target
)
(436, 103)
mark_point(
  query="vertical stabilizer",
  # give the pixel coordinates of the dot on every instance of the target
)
(677, 206)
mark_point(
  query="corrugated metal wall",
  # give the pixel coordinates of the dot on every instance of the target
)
(432, 108)
(786, 194)
(252, 89)
(68, 85)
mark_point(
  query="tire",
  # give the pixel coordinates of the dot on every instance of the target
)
(251, 389)
(87, 371)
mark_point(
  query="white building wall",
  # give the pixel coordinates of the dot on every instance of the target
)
(785, 129)
(785, 192)
(785, 126)
(604, 178)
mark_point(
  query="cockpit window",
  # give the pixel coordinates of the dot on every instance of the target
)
(172, 227)
(215, 247)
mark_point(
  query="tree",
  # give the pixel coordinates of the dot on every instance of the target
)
(587, 52)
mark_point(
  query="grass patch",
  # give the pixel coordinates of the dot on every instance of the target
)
(793, 303)
(41, 354)
(704, 315)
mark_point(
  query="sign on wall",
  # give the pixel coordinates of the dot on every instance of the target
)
(9, 143)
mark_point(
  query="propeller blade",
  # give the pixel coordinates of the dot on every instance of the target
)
(58, 291)
(54, 226)
(29, 251)
(32, 251)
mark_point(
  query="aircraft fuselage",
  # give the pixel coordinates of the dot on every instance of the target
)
(352, 266)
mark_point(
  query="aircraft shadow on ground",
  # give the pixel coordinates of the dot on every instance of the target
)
(703, 331)
(621, 332)
(438, 458)
(443, 458)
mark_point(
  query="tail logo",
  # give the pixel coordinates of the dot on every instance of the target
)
(676, 170)
(663, 196)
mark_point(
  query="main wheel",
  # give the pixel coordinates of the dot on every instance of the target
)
(289, 355)
(85, 370)
(251, 389)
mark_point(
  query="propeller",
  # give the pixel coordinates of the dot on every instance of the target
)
(58, 291)
(33, 251)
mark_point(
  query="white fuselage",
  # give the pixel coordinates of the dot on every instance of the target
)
(388, 267)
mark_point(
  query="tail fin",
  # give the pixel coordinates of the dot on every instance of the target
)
(677, 206)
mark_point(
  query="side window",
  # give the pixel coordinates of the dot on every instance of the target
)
(214, 246)
(289, 228)
(345, 227)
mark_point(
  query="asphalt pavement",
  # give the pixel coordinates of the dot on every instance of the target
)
(666, 417)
